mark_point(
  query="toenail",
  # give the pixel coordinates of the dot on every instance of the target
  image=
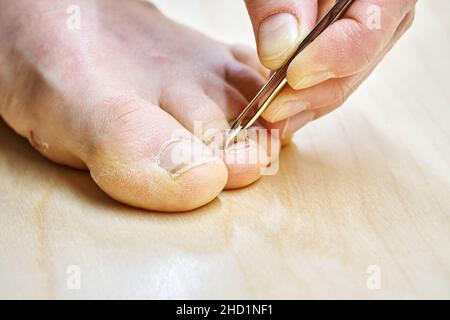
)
(237, 140)
(245, 153)
(240, 142)
(219, 141)
(177, 156)
(214, 139)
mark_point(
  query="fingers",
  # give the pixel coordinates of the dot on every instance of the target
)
(403, 27)
(279, 25)
(291, 102)
(349, 45)
(288, 127)
(327, 96)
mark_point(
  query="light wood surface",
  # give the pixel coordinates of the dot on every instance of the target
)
(366, 186)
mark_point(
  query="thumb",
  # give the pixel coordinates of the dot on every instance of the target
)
(279, 25)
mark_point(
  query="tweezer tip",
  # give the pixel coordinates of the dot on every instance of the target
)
(232, 134)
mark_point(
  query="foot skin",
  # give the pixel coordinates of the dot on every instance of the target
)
(122, 96)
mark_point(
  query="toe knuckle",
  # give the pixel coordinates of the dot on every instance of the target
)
(114, 124)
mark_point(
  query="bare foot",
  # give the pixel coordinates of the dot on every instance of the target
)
(122, 94)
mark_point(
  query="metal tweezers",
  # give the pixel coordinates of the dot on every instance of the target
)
(278, 80)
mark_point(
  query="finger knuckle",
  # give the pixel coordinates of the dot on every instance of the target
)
(341, 93)
(361, 44)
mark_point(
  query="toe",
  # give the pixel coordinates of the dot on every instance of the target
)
(245, 79)
(249, 57)
(143, 157)
(248, 157)
(245, 161)
(194, 109)
(227, 97)
(204, 118)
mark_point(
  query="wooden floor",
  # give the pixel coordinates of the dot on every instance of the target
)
(360, 208)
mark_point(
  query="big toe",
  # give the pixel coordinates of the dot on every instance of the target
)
(143, 157)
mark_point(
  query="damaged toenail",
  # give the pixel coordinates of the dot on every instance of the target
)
(177, 156)
(240, 142)
(214, 139)
(237, 141)
(227, 140)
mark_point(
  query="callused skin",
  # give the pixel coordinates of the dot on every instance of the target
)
(121, 93)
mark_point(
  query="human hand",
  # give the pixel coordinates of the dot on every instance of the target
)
(325, 74)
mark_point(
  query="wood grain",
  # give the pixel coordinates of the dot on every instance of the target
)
(367, 185)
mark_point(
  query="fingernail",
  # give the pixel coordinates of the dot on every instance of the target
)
(310, 80)
(181, 155)
(277, 39)
(297, 122)
(287, 110)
